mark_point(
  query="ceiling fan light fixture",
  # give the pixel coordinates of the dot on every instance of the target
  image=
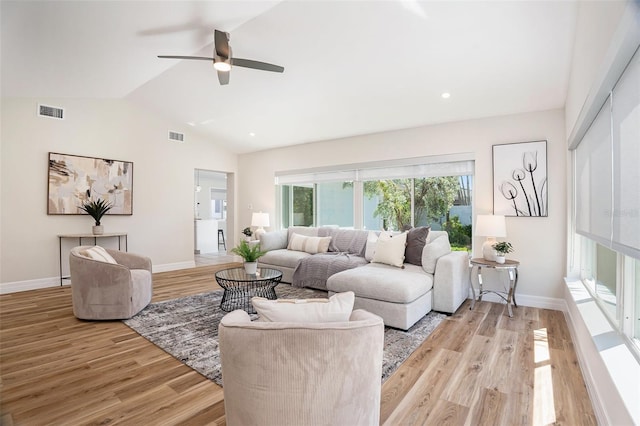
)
(221, 65)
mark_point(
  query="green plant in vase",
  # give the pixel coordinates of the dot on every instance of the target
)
(250, 253)
(96, 209)
(502, 248)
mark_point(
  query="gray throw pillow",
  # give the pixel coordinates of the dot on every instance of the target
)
(274, 240)
(416, 240)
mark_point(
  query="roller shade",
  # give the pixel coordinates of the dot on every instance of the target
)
(424, 167)
(607, 169)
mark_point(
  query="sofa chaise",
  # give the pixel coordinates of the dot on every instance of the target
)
(338, 260)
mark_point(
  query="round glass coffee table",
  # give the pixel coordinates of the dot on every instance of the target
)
(239, 287)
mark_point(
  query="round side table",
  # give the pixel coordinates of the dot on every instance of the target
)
(510, 266)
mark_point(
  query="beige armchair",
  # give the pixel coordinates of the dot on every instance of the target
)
(301, 373)
(105, 291)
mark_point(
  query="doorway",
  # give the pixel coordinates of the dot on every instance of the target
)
(211, 210)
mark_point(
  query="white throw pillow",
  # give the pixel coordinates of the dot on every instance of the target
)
(434, 250)
(98, 253)
(310, 245)
(335, 309)
(390, 249)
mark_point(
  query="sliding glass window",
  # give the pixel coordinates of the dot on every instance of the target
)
(397, 197)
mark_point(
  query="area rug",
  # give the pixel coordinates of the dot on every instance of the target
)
(187, 329)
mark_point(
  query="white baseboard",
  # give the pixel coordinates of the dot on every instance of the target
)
(174, 266)
(16, 286)
(529, 300)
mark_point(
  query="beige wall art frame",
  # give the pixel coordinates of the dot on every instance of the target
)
(75, 179)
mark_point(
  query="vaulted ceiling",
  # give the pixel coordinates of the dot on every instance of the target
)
(351, 67)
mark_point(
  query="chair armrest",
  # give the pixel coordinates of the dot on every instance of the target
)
(451, 281)
(130, 260)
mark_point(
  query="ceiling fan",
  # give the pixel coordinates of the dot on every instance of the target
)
(223, 59)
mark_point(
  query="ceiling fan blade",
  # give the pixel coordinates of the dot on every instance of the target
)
(248, 63)
(223, 77)
(222, 44)
(201, 58)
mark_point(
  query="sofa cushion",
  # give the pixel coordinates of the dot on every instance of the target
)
(335, 309)
(310, 245)
(309, 231)
(433, 251)
(274, 240)
(416, 240)
(370, 249)
(283, 257)
(383, 282)
(390, 249)
(352, 241)
(98, 253)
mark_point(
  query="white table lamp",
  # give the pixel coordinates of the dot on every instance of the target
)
(490, 226)
(260, 220)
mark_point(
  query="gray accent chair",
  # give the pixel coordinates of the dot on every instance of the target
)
(107, 291)
(282, 373)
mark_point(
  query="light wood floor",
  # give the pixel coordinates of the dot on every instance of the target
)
(478, 368)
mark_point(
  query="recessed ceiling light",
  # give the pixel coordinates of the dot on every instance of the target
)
(446, 95)
(252, 134)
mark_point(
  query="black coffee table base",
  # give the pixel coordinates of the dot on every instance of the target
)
(239, 288)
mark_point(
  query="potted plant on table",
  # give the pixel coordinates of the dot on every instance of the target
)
(96, 209)
(247, 233)
(250, 253)
(502, 248)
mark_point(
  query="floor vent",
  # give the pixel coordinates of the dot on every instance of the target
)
(51, 112)
(176, 136)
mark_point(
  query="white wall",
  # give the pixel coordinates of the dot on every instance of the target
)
(539, 242)
(161, 226)
(596, 24)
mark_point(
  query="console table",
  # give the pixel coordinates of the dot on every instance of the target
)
(510, 266)
(119, 235)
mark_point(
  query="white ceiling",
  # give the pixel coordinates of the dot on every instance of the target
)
(351, 67)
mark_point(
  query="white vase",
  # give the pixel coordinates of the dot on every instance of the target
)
(251, 267)
(97, 230)
(500, 259)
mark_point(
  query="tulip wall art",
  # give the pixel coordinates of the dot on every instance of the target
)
(520, 186)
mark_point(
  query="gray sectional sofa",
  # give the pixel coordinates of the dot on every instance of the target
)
(400, 295)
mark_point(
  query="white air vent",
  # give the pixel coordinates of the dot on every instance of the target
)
(51, 112)
(176, 136)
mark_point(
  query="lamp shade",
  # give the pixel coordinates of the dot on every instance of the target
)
(260, 219)
(488, 225)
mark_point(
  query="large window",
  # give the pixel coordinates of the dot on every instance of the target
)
(607, 204)
(297, 205)
(396, 197)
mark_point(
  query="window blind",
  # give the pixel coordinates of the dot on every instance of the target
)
(368, 172)
(626, 160)
(607, 169)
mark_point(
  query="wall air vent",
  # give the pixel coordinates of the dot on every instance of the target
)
(51, 112)
(176, 136)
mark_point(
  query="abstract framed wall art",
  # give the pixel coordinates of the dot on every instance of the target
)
(74, 179)
(520, 186)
